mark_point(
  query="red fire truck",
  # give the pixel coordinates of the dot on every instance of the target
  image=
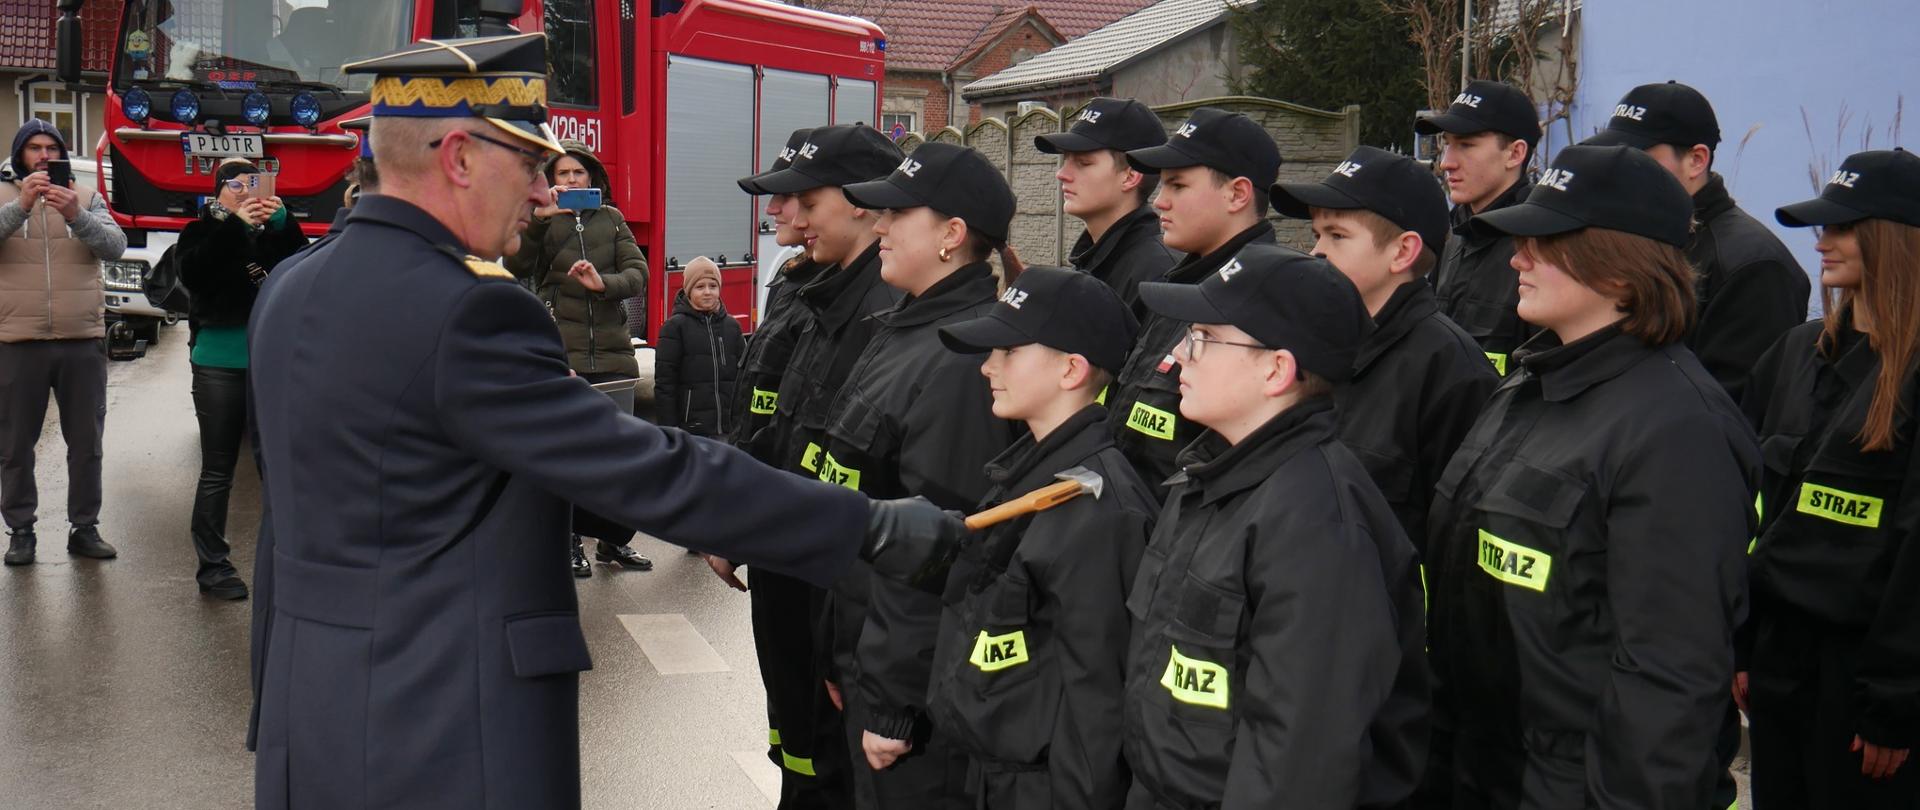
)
(678, 99)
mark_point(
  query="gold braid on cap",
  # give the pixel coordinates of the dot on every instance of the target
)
(441, 94)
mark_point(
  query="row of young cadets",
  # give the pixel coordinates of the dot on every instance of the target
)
(1509, 490)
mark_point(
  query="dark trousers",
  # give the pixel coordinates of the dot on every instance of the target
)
(586, 522)
(220, 403)
(76, 372)
(783, 642)
(1801, 725)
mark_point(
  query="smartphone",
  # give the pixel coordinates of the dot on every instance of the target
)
(262, 186)
(60, 172)
(579, 199)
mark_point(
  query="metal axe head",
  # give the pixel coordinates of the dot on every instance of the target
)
(1090, 482)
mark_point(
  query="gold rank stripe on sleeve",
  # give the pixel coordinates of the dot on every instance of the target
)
(1513, 563)
(486, 269)
(1195, 682)
(993, 653)
(1151, 421)
(764, 402)
(1839, 505)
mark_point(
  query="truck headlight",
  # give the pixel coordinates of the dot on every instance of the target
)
(124, 276)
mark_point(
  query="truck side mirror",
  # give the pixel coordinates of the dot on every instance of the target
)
(67, 39)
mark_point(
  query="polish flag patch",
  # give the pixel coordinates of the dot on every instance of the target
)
(1166, 363)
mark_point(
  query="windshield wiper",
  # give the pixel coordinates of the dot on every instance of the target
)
(300, 84)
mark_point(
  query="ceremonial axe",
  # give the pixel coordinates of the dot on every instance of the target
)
(1073, 483)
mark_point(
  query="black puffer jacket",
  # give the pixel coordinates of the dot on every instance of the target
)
(694, 369)
(217, 256)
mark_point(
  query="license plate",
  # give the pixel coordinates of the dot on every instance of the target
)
(205, 144)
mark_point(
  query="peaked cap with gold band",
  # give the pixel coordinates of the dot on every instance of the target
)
(502, 80)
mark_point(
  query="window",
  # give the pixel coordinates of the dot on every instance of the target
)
(569, 28)
(897, 125)
(60, 107)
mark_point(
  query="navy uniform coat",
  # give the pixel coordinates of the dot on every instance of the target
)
(416, 641)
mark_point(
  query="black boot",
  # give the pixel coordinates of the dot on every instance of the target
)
(229, 588)
(85, 541)
(20, 543)
(623, 556)
(581, 568)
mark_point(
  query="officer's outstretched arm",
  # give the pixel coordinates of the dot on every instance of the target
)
(1677, 525)
(502, 390)
(1323, 651)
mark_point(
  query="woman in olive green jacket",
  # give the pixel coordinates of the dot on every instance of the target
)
(585, 265)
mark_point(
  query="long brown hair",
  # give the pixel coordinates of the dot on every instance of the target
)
(1890, 292)
(1653, 277)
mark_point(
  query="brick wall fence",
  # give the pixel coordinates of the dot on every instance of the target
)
(1311, 143)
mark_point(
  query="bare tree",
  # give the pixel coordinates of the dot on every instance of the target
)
(1525, 42)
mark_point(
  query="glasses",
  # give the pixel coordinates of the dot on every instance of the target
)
(531, 164)
(1195, 345)
(236, 184)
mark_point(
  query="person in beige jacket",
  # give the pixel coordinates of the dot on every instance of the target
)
(52, 331)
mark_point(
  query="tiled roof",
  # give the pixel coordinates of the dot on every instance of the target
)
(26, 34)
(935, 34)
(1103, 50)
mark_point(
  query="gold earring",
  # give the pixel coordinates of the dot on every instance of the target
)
(945, 254)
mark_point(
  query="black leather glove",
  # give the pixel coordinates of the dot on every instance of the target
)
(913, 541)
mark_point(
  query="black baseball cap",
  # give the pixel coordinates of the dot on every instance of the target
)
(954, 180)
(1281, 297)
(1055, 307)
(1228, 142)
(833, 156)
(1394, 186)
(1613, 187)
(1486, 106)
(1881, 184)
(751, 185)
(1107, 123)
(1653, 114)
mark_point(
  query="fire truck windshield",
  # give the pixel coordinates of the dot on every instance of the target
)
(244, 43)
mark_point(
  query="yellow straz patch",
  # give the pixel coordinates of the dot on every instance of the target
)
(764, 401)
(1191, 680)
(1513, 563)
(995, 653)
(832, 473)
(810, 460)
(1499, 362)
(1151, 421)
(1839, 506)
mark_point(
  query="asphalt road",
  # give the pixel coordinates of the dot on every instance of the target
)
(122, 687)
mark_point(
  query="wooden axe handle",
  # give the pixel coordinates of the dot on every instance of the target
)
(1039, 500)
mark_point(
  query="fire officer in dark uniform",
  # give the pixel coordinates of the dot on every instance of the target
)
(1121, 245)
(1751, 289)
(846, 290)
(1275, 654)
(1487, 138)
(1585, 550)
(1028, 669)
(1419, 380)
(782, 635)
(1831, 676)
(1215, 173)
(416, 640)
(917, 420)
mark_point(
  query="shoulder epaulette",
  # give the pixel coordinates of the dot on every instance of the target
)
(486, 269)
